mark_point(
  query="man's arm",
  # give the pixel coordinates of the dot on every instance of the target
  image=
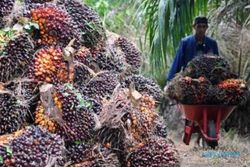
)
(178, 62)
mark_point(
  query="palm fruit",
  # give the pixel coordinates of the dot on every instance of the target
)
(120, 119)
(28, 2)
(26, 90)
(214, 68)
(235, 91)
(147, 106)
(101, 86)
(100, 157)
(144, 85)
(13, 112)
(189, 91)
(77, 152)
(82, 74)
(160, 127)
(55, 25)
(43, 120)
(87, 20)
(48, 66)
(132, 55)
(154, 152)
(35, 147)
(65, 106)
(15, 55)
(6, 6)
(101, 60)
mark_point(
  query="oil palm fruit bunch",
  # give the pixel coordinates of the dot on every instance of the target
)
(42, 119)
(55, 25)
(28, 2)
(82, 74)
(132, 55)
(101, 86)
(35, 147)
(188, 90)
(16, 52)
(147, 106)
(101, 60)
(154, 152)
(122, 121)
(100, 156)
(27, 91)
(6, 6)
(78, 151)
(87, 20)
(24, 88)
(235, 91)
(160, 127)
(13, 112)
(76, 121)
(49, 66)
(144, 85)
(214, 68)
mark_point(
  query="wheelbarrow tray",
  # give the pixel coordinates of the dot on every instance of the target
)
(195, 112)
(208, 118)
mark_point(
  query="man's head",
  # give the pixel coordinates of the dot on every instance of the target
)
(200, 25)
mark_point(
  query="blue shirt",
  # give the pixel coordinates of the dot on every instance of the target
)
(188, 50)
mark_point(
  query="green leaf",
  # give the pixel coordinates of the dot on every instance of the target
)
(1, 159)
(9, 150)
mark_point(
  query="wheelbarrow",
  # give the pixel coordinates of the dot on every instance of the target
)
(205, 120)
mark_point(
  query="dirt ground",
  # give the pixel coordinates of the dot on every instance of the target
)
(194, 155)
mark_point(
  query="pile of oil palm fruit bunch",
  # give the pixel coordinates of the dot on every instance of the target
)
(71, 93)
(207, 80)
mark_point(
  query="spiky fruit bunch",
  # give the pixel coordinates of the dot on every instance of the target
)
(235, 91)
(214, 68)
(147, 106)
(13, 112)
(25, 89)
(42, 119)
(155, 152)
(82, 74)
(189, 91)
(15, 57)
(144, 85)
(101, 60)
(100, 157)
(232, 84)
(77, 152)
(34, 148)
(101, 86)
(48, 66)
(87, 20)
(28, 2)
(6, 6)
(160, 127)
(123, 122)
(146, 103)
(55, 25)
(76, 121)
(132, 55)
(108, 62)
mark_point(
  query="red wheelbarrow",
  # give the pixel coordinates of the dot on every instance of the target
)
(205, 120)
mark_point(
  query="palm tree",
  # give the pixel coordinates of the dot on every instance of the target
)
(167, 21)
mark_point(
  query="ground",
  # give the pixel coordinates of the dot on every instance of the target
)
(191, 155)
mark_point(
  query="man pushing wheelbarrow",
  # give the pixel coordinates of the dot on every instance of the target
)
(205, 88)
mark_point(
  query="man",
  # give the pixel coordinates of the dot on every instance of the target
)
(193, 45)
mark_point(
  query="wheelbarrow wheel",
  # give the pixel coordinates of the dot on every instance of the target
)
(212, 133)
